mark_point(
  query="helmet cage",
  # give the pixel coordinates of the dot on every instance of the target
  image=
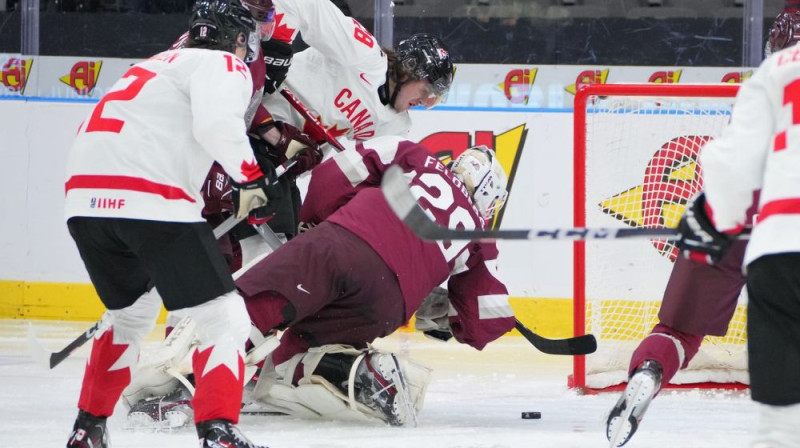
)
(484, 178)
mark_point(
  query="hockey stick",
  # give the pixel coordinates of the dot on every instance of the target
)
(50, 359)
(303, 111)
(579, 345)
(404, 205)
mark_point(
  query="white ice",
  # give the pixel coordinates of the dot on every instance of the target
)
(474, 401)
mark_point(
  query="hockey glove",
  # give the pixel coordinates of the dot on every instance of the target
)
(431, 316)
(278, 58)
(262, 196)
(292, 142)
(217, 191)
(303, 227)
(698, 240)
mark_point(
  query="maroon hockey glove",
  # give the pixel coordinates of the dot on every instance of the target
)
(698, 240)
(292, 142)
(217, 191)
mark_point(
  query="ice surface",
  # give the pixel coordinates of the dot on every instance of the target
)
(474, 401)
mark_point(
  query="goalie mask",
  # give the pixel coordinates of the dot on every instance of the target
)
(784, 33)
(217, 25)
(481, 173)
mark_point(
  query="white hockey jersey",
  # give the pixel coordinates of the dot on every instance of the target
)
(760, 149)
(338, 76)
(146, 147)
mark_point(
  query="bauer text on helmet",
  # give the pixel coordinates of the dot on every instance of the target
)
(484, 178)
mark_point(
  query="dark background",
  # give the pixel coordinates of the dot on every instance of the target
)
(604, 41)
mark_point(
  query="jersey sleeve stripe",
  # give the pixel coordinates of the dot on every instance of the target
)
(126, 183)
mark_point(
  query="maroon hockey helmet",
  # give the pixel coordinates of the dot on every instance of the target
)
(264, 12)
(785, 32)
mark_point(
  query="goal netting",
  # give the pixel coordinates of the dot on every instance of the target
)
(636, 150)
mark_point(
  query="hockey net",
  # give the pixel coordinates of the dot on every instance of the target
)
(635, 165)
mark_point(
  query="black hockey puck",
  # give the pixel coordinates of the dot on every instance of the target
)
(531, 415)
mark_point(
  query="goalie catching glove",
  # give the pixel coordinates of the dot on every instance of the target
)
(291, 143)
(698, 239)
(431, 317)
(259, 198)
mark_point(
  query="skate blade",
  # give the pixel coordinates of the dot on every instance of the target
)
(637, 397)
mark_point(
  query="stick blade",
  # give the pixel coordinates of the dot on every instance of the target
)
(36, 350)
(583, 345)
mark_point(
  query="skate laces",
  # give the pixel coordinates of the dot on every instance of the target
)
(392, 396)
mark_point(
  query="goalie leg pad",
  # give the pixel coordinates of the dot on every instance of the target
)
(158, 370)
(343, 395)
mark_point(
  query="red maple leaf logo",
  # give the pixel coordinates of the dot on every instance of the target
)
(283, 32)
(251, 170)
(335, 132)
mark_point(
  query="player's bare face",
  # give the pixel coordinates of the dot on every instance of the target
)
(414, 93)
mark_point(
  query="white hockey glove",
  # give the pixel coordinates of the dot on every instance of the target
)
(431, 317)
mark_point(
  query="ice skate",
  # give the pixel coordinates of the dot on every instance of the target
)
(380, 385)
(623, 421)
(222, 434)
(88, 432)
(164, 412)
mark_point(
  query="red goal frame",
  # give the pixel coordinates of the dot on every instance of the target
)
(578, 377)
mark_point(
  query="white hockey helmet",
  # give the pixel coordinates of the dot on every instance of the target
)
(484, 178)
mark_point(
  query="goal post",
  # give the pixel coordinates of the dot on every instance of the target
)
(635, 165)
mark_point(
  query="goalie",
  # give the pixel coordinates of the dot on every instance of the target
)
(358, 273)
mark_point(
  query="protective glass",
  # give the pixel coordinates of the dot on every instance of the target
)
(253, 45)
(267, 25)
(265, 18)
(434, 92)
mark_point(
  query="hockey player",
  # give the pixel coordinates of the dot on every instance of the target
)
(700, 299)
(759, 150)
(357, 89)
(359, 273)
(275, 139)
(133, 209)
(365, 91)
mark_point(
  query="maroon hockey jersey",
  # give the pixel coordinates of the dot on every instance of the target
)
(345, 190)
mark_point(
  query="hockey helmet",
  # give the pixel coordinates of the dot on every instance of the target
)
(785, 32)
(264, 13)
(424, 56)
(481, 173)
(217, 24)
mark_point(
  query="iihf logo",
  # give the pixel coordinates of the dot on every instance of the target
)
(113, 203)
